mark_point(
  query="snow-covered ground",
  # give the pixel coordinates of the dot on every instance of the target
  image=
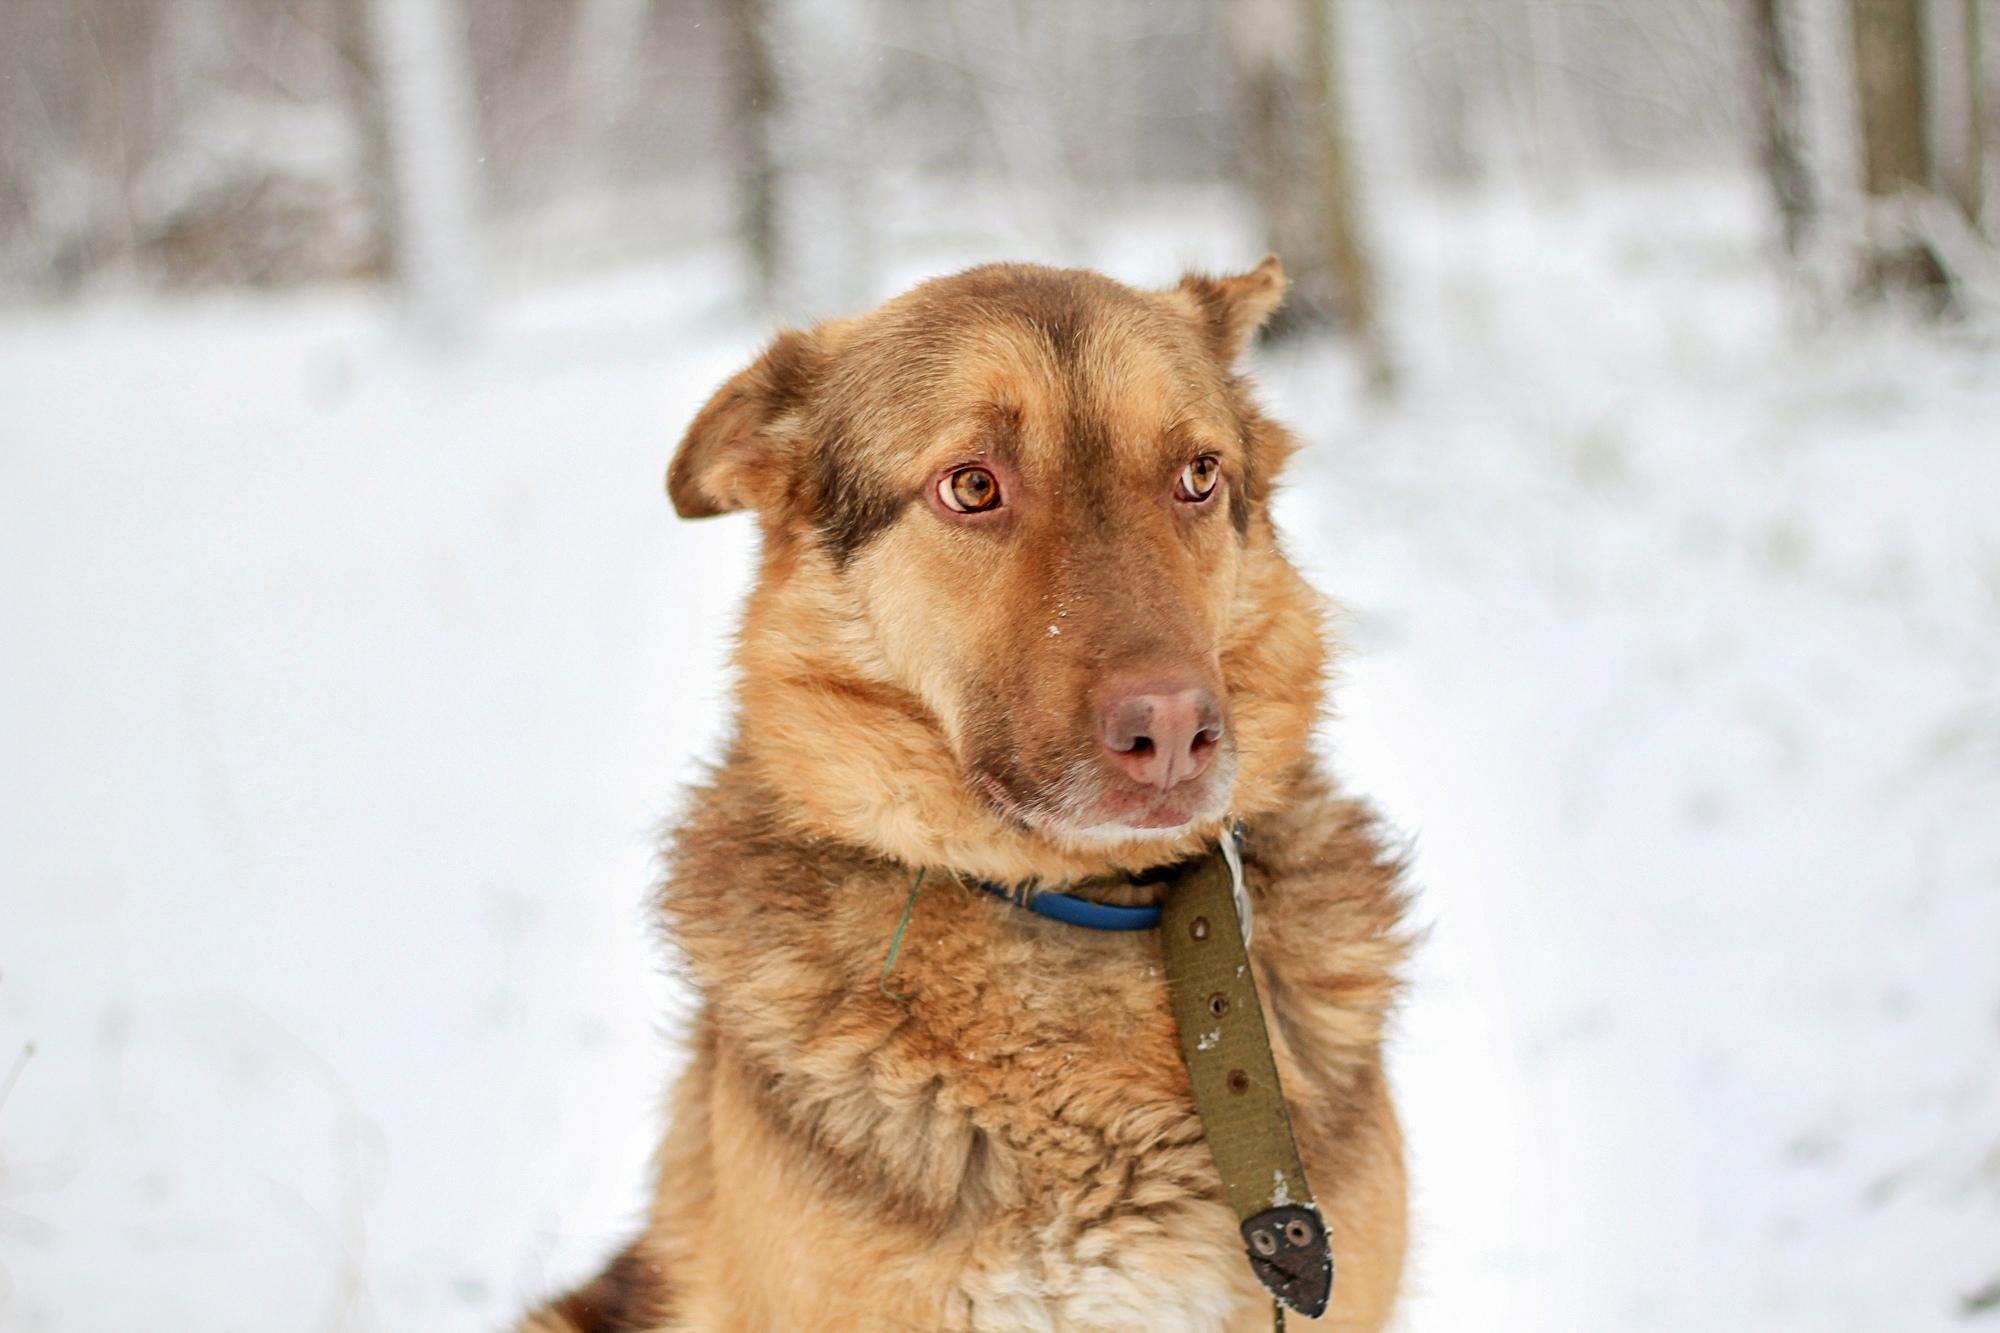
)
(345, 684)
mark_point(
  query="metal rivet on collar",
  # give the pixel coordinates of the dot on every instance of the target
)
(1199, 928)
(1218, 1004)
(1238, 1081)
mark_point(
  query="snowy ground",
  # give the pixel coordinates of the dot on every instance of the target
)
(343, 687)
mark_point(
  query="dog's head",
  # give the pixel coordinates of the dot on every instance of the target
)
(1019, 592)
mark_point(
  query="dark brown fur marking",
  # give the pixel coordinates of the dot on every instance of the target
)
(851, 509)
(1243, 495)
(630, 1296)
(1059, 304)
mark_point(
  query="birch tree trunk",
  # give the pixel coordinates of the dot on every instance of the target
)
(804, 74)
(420, 67)
(1955, 127)
(1889, 82)
(752, 122)
(363, 93)
(604, 57)
(1781, 115)
(114, 44)
(1919, 83)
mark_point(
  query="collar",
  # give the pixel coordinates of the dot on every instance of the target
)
(1073, 909)
(1226, 1048)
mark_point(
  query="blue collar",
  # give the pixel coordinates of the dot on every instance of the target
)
(1075, 911)
(1072, 910)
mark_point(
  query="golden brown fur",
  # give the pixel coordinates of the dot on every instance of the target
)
(1008, 1140)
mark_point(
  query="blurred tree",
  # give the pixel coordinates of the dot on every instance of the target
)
(1986, 91)
(1905, 53)
(1889, 86)
(1445, 82)
(1781, 113)
(230, 141)
(1957, 112)
(804, 73)
(116, 81)
(752, 122)
(1297, 157)
(362, 93)
(604, 54)
(419, 63)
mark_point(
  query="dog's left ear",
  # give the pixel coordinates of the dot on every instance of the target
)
(1234, 307)
(739, 449)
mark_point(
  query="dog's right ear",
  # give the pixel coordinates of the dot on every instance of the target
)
(739, 450)
(1233, 308)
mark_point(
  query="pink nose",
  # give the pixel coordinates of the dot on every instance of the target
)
(1161, 735)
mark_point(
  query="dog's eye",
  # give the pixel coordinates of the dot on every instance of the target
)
(1197, 479)
(970, 490)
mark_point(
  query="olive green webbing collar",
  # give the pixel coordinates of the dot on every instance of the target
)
(1204, 939)
(1204, 923)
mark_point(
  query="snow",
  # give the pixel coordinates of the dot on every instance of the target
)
(345, 685)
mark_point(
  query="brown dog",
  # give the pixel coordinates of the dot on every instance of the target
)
(1020, 615)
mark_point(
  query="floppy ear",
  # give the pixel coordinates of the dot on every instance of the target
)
(1234, 307)
(739, 449)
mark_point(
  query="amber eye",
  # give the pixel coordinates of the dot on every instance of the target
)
(970, 490)
(1197, 479)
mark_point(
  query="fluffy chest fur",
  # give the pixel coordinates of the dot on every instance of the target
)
(1011, 1102)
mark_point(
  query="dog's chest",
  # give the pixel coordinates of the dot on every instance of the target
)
(1091, 1201)
(1056, 1292)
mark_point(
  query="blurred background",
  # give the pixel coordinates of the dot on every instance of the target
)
(1648, 357)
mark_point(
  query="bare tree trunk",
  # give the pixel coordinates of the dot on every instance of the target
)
(1986, 85)
(1013, 61)
(421, 69)
(1347, 253)
(1559, 145)
(1956, 114)
(754, 93)
(1895, 157)
(1983, 124)
(1269, 43)
(604, 54)
(805, 106)
(115, 82)
(1448, 93)
(1782, 117)
(1297, 157)
(364, 101)
(1889, 79)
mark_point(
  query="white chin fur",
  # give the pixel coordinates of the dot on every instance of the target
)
(1069, 823)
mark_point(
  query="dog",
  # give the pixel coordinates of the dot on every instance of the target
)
(1020, 617)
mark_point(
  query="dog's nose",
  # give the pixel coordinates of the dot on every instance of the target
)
(1161, 735)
